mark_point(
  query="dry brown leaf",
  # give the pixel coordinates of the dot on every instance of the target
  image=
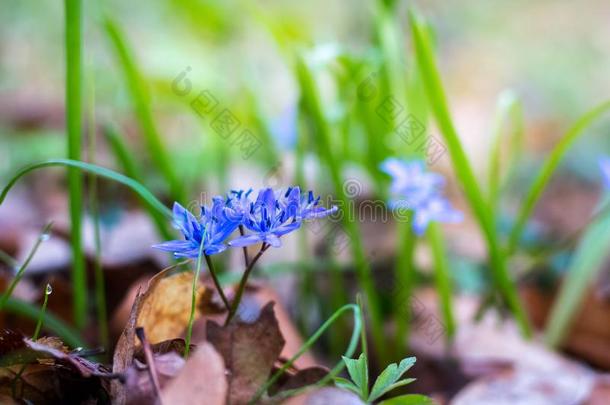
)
(249, 351)
(202, 380)
(166, 306)
(163, 310)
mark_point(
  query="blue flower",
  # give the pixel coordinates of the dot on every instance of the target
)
(411, 181)
(413, 188)
(213, 227)
(604, 164)
(434, 209)
(275, 214)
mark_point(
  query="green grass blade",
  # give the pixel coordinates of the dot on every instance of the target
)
(587, 262)
(121, 152)
(349, 352)
(509, 111)
(68, 335)
(123, 156)
(73, 17)
(19, 274)
(439, 108)
(442, 278)
(141, 105)
(142, 191)
(404, 273)
(548, 168)
(312, 103)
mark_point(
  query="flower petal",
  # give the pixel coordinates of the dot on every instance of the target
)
(246, 240)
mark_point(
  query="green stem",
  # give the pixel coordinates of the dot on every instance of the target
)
(404, 273)
(100, 287)
(44, 235)
(47, 291)
(225, 301)
(353, 344)
(243, 282)
(73, 19)
(189, 331)
(67, 334)
(442, 278)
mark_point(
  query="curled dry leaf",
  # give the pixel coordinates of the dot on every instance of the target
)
(44, 372)
(202, 381)
(250, 350)
(162, 309)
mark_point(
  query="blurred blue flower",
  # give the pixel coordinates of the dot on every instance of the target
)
(213, 227)
(413, 188)
(604, 164)
(434, 209)
(275, 214)
(411, 181)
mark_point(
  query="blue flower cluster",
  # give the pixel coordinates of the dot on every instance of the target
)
(272, 215)
(414, 188)
(604, 164)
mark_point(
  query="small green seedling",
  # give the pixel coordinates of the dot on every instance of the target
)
(388, 380)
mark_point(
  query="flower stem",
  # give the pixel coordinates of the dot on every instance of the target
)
(245, 248)
(243, 282)
(189, 330)
(216, 282)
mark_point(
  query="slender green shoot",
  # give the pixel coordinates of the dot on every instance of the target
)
(586, 264)
(98, 271)
(68, 335)
(141, 104)
(351, 348)
(548, 168)
(125, 160)
(313, 105)
(482, 212)
(189, 330)
(509, 111)
(442, 278)
(404, 273)
(138, 188)
(43, 236)
(73, 20)
(47, 291)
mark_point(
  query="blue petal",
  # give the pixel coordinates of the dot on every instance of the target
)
(273, 240)
(246, 240)
(604, 164)
(174, 245)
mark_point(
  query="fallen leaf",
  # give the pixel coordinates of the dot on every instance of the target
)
(202, 380)
(249, 351)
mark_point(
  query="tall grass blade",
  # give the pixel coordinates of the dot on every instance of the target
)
(439, 108)
(43, 236)
(141, 105)
(586, 264)
(442, 279)
(313, 105)
(351, 348)
(123, 156)
(509, 112)
(73, 17)
(548, 168)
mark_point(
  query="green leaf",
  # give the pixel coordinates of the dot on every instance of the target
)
(388, 378)
(142, 191)
(346, 384)
(508, 111)
(409, 399)
(548, 168)
(465, 173)
(140, 100)
(359, 373)
(586, 264)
